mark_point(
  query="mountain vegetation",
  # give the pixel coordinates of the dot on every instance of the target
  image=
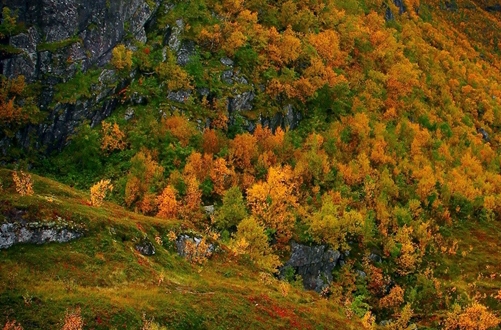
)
(369, 127)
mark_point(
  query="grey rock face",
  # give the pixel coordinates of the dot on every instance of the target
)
(181, 245)
(485, 135)
(145, 247)
(226, 61)
(173, 35)
(63, 37)
(36, 233)
(227, 77)
(179, 96)
(375, 258)
(401, 9)
(241, 102)
(65, 118)
(209, 209)
(494, 8)
(98, 25)
(185, 52)
(129, 114)
(314, 263)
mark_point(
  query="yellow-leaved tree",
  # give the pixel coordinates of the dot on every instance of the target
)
(121, 57)
(23, 182)
(98, 192)
(329, 225)
(273, 202)
(113, 137)
(251, 240)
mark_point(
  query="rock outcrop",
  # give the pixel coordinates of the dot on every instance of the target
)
(81, 33)
(145, 247)
(65, 38)
(61, 39)
(314, 263)
(17, 230)
(187, 246)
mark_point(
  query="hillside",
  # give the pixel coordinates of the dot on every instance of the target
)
(367, 130)
(114, 285)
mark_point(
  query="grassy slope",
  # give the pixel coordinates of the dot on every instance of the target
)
(114, 285)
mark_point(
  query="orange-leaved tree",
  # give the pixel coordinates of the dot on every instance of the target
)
(168, 206)
(144, 176)
(191, 206)
(474, 317)
(113, 137)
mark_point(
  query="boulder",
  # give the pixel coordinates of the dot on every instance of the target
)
(485, 135)
(145, 247)
(16, 232)
(375, 258)
(182, 241)
(314, 263)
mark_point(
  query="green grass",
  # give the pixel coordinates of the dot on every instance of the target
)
(114, 285)
(55, 46)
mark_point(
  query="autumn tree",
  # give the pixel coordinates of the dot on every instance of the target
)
(474, 317)
(168, 206)
(191, 206)
(113, 137)
(121, 57)
(313, 163)
(403, 247)
(180, 128)
(269, 145)
(174, 76)
(330, 225)
(273, 202)
(211, 142)
(221, 175)
(144, 176)
(326, 44)
(12, 325)
(232, 211)
(73, 320)
(251, 240)
(16, 108)
(243, 151)
(23, 182)
(9, 22)
(99, 191)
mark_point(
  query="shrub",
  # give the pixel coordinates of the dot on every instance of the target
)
(73, 320)
(121, 57)
(197, 253)
(23, 182)
(12, 325)
(98, 192)
(474, 317)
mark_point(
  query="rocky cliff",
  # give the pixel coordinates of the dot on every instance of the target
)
(60, 39)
